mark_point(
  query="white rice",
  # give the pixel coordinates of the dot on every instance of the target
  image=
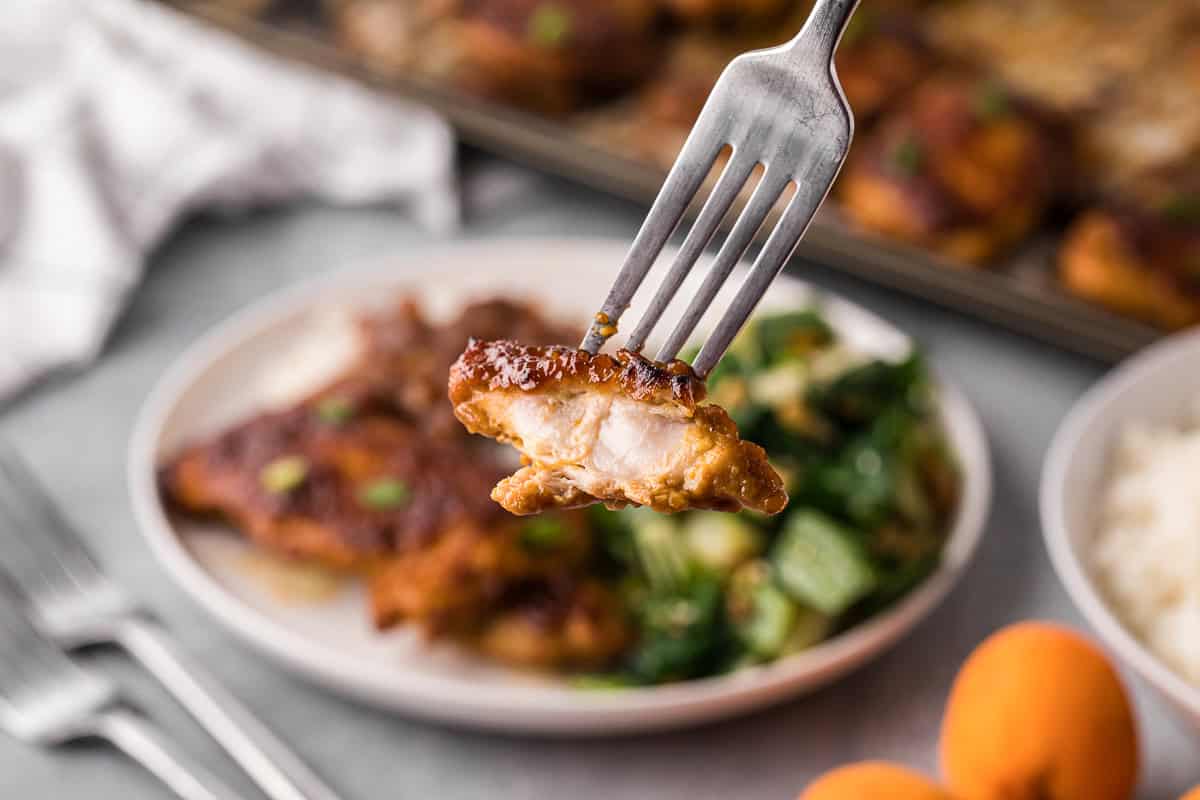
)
(1147, 548)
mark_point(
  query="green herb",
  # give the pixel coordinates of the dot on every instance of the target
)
(284, 474)
(335, 410)
(549, 25)
(1183, 208)
(683, 632)
(543, 533)
(908, 157)
(384, 494)
(991, 102)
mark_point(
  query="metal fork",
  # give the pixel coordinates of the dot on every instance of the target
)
(780, 108)
(46, 699)
(74, 603)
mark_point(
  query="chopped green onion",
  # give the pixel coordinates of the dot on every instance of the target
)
(335, 410)
(284, 474)
(543, 533)
(908, 157)
(384, 494)
(992, 102)
(549, 25)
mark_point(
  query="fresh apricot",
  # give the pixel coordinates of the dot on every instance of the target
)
(1194, 794)
(873, 780)
(1038, 713)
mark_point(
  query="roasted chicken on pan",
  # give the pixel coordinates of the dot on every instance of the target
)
(1097, 96)
(621, 430)
(963, 169)
(1140, 254)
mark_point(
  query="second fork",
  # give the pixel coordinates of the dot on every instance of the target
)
(75, 603)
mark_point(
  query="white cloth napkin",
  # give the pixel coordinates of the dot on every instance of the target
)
(118, 116)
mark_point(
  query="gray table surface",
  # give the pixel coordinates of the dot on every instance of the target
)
(76, 428)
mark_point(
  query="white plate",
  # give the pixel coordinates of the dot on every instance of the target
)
(1158, 385)
(237, 369)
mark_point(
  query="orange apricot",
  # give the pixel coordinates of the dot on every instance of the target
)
(1194, 794)
(1038, 713)
(873, 780)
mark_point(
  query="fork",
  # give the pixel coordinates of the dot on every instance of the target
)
(46, 699)
(781, 109)
(75, 604)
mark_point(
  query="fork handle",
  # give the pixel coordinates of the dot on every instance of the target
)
(821, 33)
(266, 759)
(134, 736)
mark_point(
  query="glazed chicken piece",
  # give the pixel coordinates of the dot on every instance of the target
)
(620, 430)
(364, 494)
(963, 169)
(405, 358)
(1140, 255)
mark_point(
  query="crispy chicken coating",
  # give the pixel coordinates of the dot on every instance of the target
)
(621, 430)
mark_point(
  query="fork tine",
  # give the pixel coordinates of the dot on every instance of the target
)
(744, 230)
(23, 659)
(779, 248)
(730, 184)
(684, 180)
(38, 528)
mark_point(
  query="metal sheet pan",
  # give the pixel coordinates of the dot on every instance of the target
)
(1020, 294)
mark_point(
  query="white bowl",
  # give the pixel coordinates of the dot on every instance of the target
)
(237, 369)
(1157, 385)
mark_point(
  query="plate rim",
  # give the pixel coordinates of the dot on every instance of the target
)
(524, 709)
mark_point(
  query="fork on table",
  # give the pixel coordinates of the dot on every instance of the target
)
(46, 699)
(75, 604)
(781, 111)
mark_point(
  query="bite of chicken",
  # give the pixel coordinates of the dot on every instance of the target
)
(621, 430)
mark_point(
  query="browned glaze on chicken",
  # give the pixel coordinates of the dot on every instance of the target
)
(367, 476)
(405, 358)
(965, 169)
(621, 430)
(1140, 254)
(506, 364)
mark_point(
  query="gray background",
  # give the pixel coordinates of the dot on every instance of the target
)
(75, 429)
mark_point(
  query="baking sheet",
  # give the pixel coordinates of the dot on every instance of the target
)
(1019, 294)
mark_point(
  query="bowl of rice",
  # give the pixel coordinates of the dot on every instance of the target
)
(1120, 507)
